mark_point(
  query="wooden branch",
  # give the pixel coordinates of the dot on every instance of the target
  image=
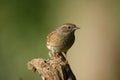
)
(54, 68)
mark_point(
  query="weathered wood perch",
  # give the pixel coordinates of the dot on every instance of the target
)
(52, 69)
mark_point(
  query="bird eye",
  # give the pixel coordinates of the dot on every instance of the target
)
(69, 27)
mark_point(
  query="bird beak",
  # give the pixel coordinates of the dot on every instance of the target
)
(76, 28)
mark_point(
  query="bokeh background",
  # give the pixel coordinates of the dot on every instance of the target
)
(24, 25)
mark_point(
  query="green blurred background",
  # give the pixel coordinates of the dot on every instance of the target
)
(24, 25)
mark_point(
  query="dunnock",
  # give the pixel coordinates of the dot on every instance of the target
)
(61, 39)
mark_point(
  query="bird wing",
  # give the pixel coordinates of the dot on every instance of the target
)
(54, 39)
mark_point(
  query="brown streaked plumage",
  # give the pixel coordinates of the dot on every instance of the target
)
(61, 39)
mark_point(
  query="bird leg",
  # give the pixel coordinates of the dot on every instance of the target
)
(51, 54)
(65, 56)
(55, 55)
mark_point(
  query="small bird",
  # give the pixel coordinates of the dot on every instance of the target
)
(61, 39)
